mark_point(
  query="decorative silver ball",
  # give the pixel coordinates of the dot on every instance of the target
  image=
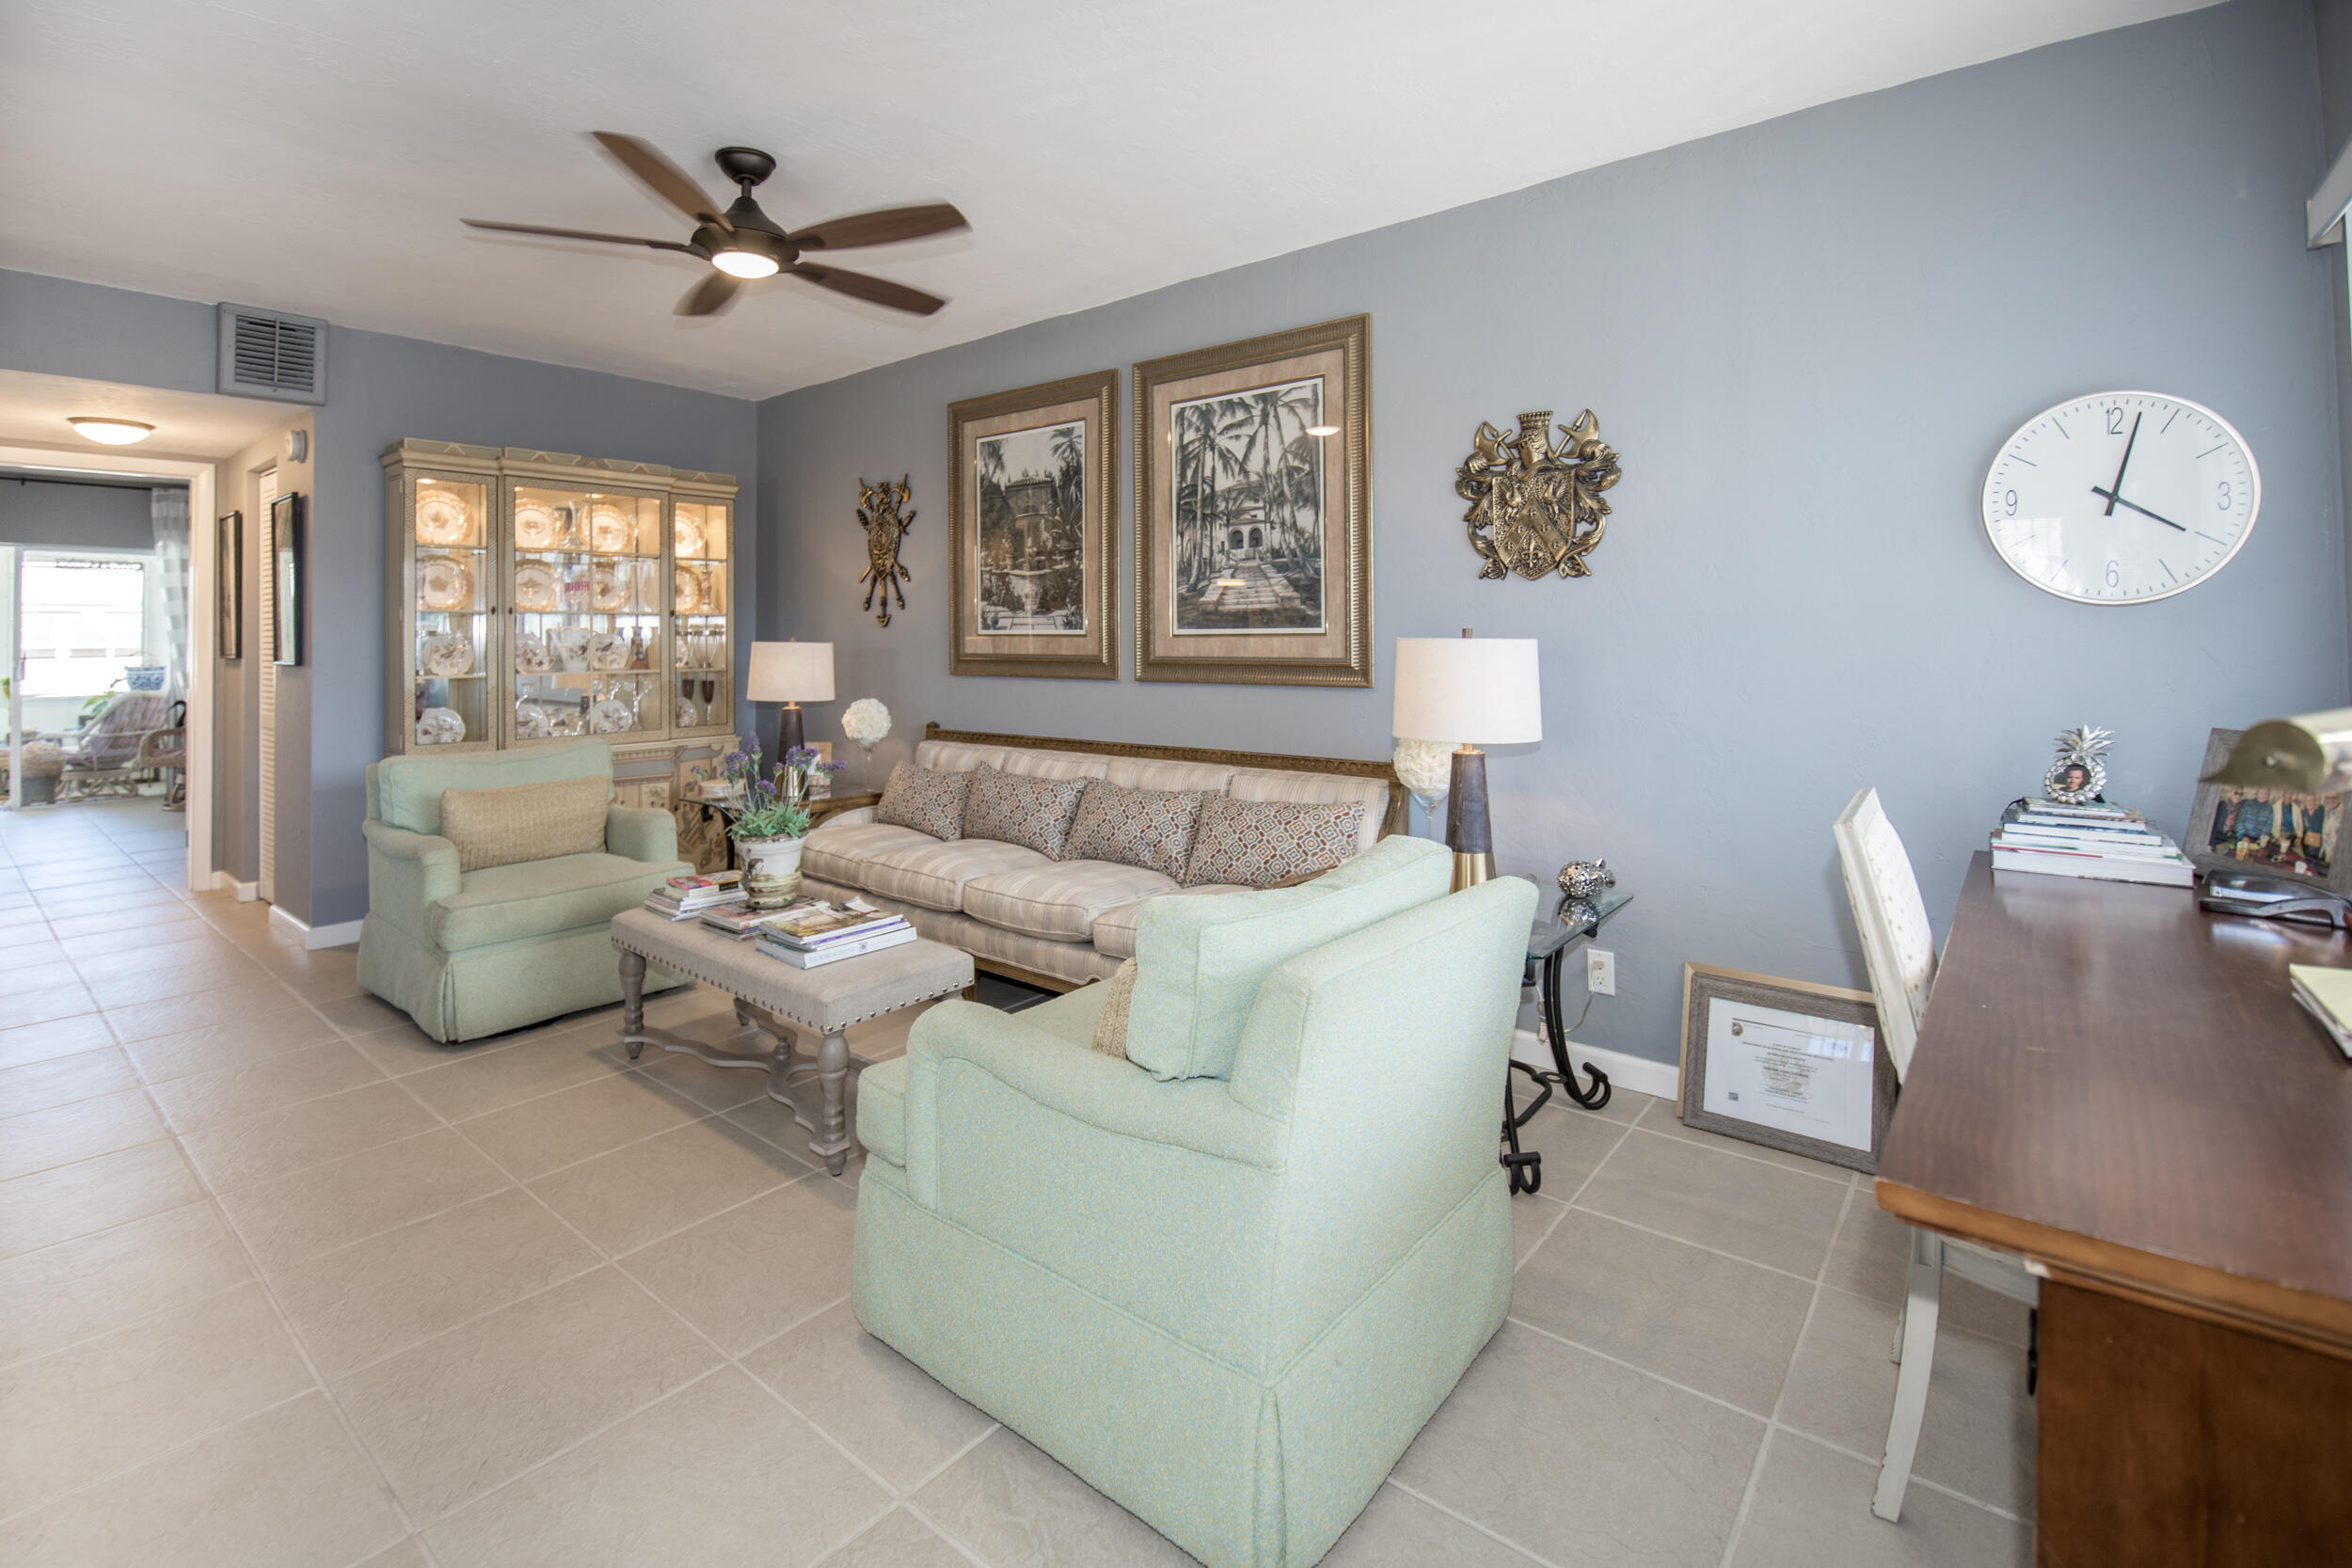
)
(1582, 881)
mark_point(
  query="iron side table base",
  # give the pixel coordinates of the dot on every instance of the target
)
(1527, 1169)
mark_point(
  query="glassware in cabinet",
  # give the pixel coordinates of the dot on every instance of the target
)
(702, 651)
(446, 540)
(585, 615)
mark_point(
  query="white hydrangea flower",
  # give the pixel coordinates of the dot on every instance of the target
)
(1426, 767)
(866, 721)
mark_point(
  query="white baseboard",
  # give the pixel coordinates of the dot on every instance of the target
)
(1637, 1074)
(316, 937)
(225, 881)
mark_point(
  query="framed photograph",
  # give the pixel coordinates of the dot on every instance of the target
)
(229, 575)
(2265, 832)
(285, 536)
(1786, 1064)
(1035, 561)
(1253, 511)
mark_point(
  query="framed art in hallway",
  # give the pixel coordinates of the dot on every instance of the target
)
(1787, 1064)
(228, 577)
(1035, 563)
(1253, 511)
(285, 543)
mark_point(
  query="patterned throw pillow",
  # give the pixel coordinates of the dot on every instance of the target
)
(1149, 828)
(1260, 843)
(1011, 808)
(927, 801)
(1110, 1024)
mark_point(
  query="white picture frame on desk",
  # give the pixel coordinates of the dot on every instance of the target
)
(1786, 1064)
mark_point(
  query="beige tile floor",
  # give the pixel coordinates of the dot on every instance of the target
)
(282, 1282)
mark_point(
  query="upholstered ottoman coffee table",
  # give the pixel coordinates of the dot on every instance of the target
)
(771, 999)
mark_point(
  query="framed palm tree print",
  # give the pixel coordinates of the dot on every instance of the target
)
(1035, 561)
(1253, 517)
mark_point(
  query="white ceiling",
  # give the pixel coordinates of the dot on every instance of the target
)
(315, 158)
(34, 408)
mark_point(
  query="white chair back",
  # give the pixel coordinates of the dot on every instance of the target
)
(1896, 941)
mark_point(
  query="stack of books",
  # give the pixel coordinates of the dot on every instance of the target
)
(814, 934)
(2105, 842)
(737, 919)
(688, 898)
(2326, 994)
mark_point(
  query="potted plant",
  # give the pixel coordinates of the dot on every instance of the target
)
(771, 812)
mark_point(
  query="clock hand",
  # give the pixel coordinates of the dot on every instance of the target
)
(2117, 493)
(2115, 500)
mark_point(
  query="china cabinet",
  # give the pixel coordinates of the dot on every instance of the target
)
(539, 596)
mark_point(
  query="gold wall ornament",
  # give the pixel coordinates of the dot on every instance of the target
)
(1535, 507)
(877, 515)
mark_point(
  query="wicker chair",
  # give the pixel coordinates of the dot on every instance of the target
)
(103, 758)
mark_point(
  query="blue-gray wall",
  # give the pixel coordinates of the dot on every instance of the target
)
(49, 515)
(1807, 339)
(380, 388)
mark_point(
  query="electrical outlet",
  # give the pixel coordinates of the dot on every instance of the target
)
(1600, 972)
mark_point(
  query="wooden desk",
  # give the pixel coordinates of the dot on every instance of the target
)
(2123, 1090)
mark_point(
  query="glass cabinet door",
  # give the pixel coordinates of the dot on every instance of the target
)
(448, 537)
(586, 613)
(701, 651)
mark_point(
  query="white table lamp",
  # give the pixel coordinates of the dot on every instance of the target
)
(1475, 691)
(791, 674)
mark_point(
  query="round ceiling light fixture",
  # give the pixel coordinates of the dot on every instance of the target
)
(110, 432)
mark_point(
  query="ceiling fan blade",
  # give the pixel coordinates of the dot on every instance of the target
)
(709, 297)
(660, 176)
(884, 227)
(575, 234)
(877, 291)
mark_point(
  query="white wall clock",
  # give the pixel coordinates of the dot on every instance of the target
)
(2121, 498)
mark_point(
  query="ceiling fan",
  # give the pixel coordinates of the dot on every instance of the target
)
(743, 242)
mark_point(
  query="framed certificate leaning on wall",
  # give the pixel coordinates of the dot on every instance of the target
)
(1786, 1064)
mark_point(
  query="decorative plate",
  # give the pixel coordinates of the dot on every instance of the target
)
(610, 717)
(605, 651)
(531, 721)
(687, 718)
(440, 726)
(689, 534)
(570, 644)
(445, 653)
(611, 530)
(608, 587)
(535, 588)
(689, 588)
(531, 653)
(442, 519)
(564, 721)
(535, 526)
(443, 583)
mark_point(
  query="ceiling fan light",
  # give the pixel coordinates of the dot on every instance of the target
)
(745, 264)
(112, 433)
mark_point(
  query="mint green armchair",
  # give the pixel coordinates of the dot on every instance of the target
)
(1228, 1303)
(475, 953)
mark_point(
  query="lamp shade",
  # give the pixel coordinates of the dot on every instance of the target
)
(1474, 690)
(791, 673)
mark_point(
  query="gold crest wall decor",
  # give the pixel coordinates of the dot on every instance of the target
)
(1535, 506)
(878, 514)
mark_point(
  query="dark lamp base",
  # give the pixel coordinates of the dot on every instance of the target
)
(1468, 833)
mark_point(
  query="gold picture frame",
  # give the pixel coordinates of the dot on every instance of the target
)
(1259, 570)
(1035, 553)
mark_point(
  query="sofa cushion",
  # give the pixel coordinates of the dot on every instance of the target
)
(929, 802)
(1114, 931)
(1014, 810)
(1062, 901)
(1260, 843)
(1153, 773)
(837, 851)
(405, 792)
(1274, 784)
(536, 898)
(1110, 1024)
(934, 875)
(1149, 828)
(882, 1110)
(526, 822)
(1201, 961)
(957, 756)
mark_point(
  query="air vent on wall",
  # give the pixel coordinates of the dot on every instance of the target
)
(266, 354)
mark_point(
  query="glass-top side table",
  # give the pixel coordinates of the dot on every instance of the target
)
(1558, 931)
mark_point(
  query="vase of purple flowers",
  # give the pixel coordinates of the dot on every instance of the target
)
(772, 818)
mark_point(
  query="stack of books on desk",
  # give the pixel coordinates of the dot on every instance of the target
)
(2105, 842)
(688, 898)
(2326, 994)
(807, 937)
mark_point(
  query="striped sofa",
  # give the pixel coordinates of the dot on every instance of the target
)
(1060, 922)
